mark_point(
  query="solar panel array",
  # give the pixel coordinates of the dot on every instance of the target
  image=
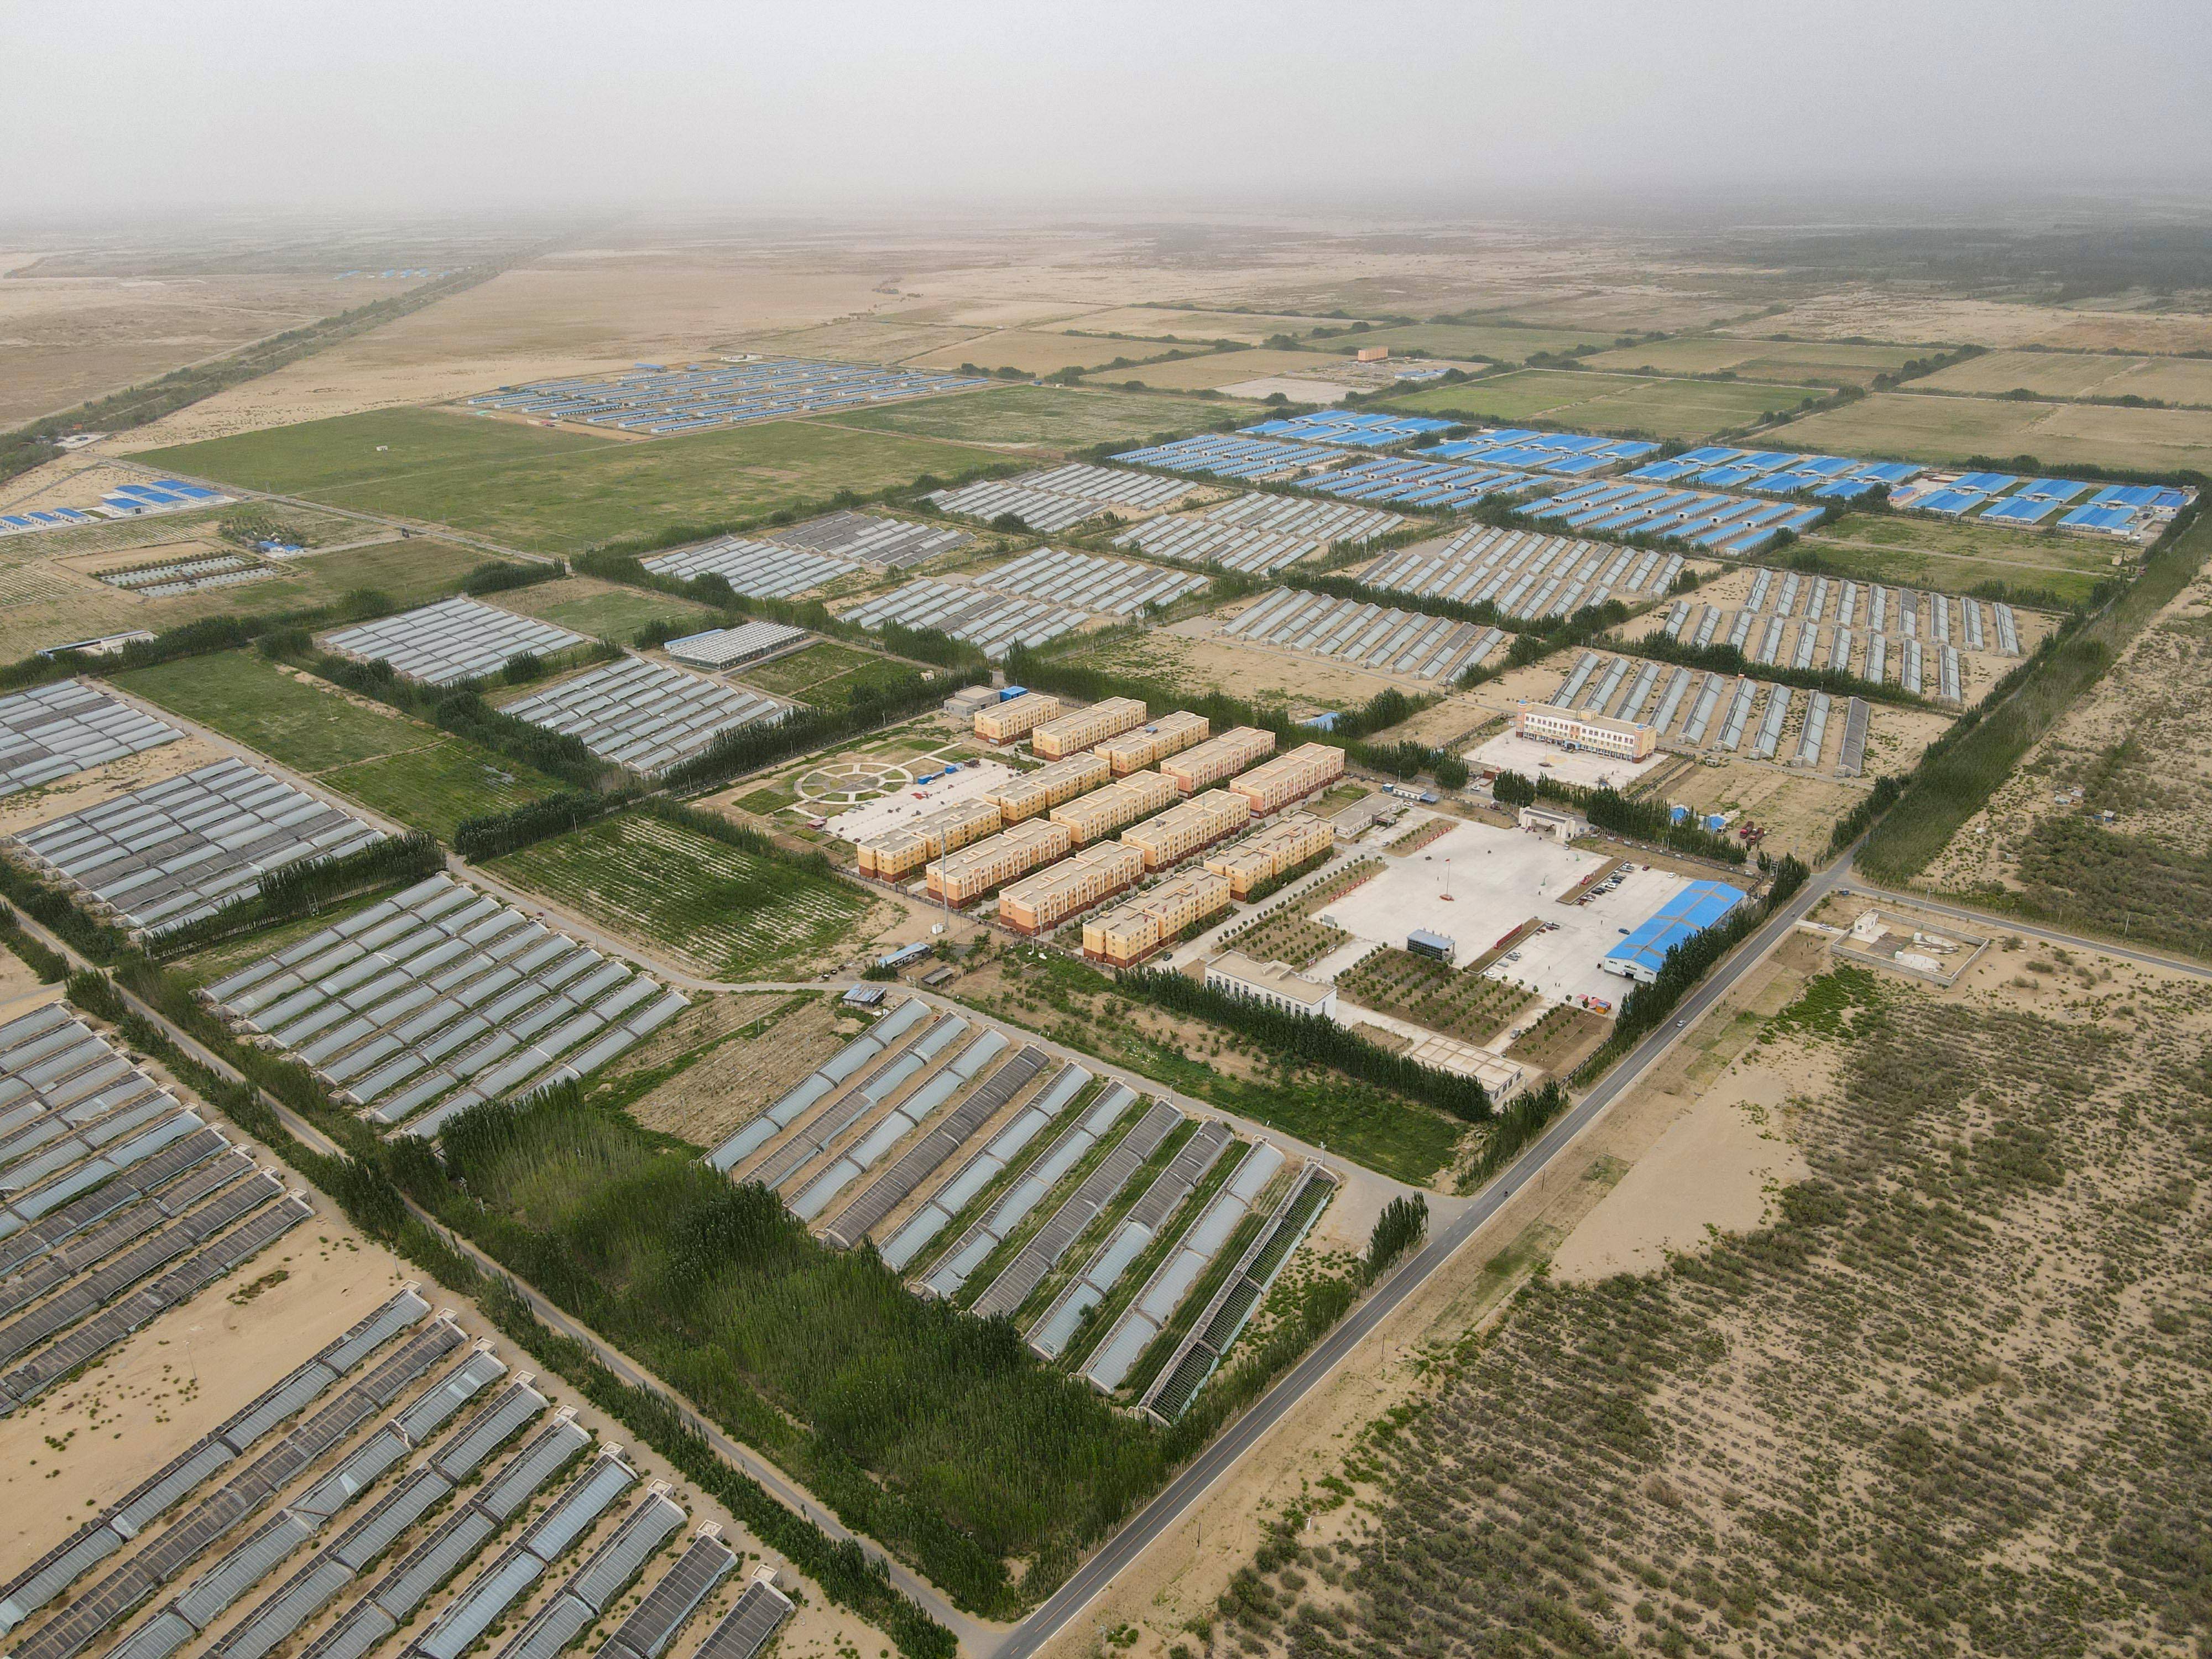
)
(440, 997)
(754, 570)
(1218, 1324)
(138, 1511)
(1232, 455)
(1379, 638)
(984, 1166)
(659, 402)
(172, 851)
(1725, 524)
(521, 1565)
(53, 732)
(745, 1628)
(1059, 497)
(190, 1613)
(644, 715)
(1115, 1253)
(1523, 573)
(1572, 455)
(1148, 1315)
(1407, 480)
(174, 576)
(1260, 533)
(1366, 428)
(452, 640)
(399, 1593)
(993, 622)
(1112, 587)
(867, 538)
(161, 1561)
(317, 1583)
(668, 1606)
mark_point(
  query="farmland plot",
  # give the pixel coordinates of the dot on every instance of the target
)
(714, 908)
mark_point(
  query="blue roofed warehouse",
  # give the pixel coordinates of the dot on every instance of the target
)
(1689, 913)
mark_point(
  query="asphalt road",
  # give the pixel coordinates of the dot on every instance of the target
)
(1333, 1350)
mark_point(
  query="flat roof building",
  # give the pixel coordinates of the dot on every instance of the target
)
(1129, 933)
(1028, 794)
(1153, 742)
(1052, 739)
(1016, 717)
(1282, 845)
(1561, 823)
(1195, 825)
(1275, 985)
(1209, 762)
(892, 854)
(962, 878)
(1624, 740)
(1289, 777)
(1122, 802)
(1038, 903)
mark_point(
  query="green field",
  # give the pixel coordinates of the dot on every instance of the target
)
(1047, 417)
(1923, 425)
(2079, 374)
(422, 778)
(605, 611)
(1496, 343)
(1953, 556)
(40, 605)
(826, 674)
(718, 908)
(1827, 361)
(1625, 403)
(555, 492)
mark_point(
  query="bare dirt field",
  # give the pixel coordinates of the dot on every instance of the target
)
(1882, 314)
(738, 1070)
(1194, 666)
(1937, 429)
(1032, 351)
(581, 314)
(65, 340)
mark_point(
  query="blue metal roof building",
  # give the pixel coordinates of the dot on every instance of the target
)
(1689, 913)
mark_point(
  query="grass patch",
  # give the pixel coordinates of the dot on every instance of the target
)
(719, 909)
(556, 492)
(604, 610)
(424, 778)
(1922, 427)
(1046, 417)
(1609, 403)
(1496, 343)
(829, 675)
(1827, 361)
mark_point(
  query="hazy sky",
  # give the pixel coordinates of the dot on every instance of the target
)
(461, 103)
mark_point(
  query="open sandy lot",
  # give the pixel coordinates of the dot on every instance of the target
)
(1194, 663)
(1882, 314)
(1222, 369)
(65, 340)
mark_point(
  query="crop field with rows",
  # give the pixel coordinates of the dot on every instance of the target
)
(716, 908)
(1960, 1343)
